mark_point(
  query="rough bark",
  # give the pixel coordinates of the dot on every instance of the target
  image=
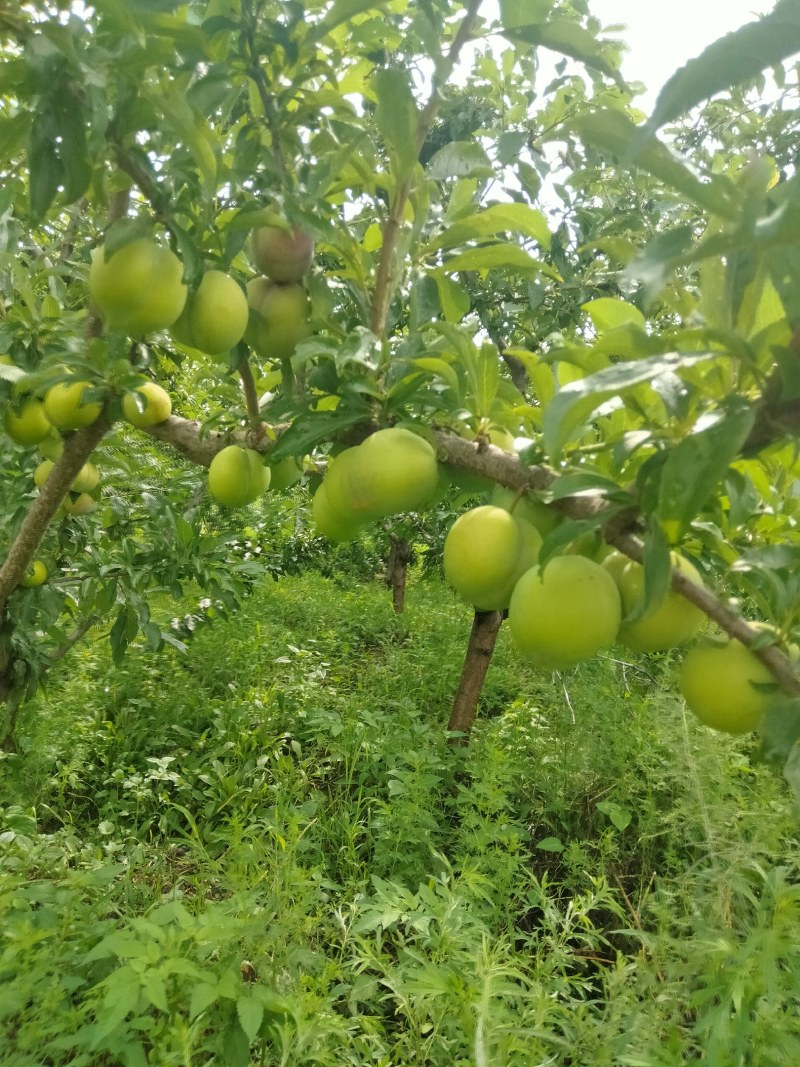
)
(396, 572)
(480, 648)
(77, 449)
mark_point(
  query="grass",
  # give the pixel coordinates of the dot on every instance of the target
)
(265, 852)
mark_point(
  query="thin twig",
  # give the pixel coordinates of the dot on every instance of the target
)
(267, 103)
(250, 391)
(384, 277)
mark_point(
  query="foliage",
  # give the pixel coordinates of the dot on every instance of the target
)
(263, 852)
(494, 254)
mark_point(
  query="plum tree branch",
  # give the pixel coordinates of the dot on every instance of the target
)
(249, 390)
(78, 446)
(506, 469)
(781, 666)
(77, 449)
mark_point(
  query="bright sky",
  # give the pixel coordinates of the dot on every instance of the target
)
(661, 37)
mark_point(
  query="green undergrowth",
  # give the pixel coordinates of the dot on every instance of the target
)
(265, 852)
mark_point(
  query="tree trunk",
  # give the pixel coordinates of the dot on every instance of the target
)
(396, 568)
(482, 639)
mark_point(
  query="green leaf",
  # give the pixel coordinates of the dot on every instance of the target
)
(564, 534)
(439, 368)
(13, 131)
(609, 312)
(780, 729)
(73, 149)
(653, 264)
(155, 990)
(657, 571)
(499, 218)
(572, 405)
(453, 297)
(503, 256)
(203, 996)
(9, 373)
(514, 14)
(620, 817)
(484, 380)
(567, 37)
(122, 993)
(585, 482)
(460, 159)
(396, 117)
(310, 428)
(251, 1014)
(342, 11)
(235, 1046)
(550, 844)
(44, 165)
(695, 467)
(732, 60)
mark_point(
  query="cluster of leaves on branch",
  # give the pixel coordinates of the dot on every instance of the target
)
(505, 250)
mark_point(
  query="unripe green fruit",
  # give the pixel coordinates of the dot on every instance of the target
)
(673, 622)
(528, 556)
(566, 614)
(66, 409)
(283, 255)
(82, 504)
(285, 472)
(28, 424)
(42, 472)
(157, 408)
(139, 289)
(331, 509)
(237, 476)
(544, 518)
(280, 320)
(468, 481)
(614, 562)
(215, 316)
(328, 521)
(35, 575)
(87, 479)
(52, 446)
(718, 684)
(393, 471)
(486, 551)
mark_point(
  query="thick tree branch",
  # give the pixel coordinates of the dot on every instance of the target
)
(73, 637)
(505, 469)
(186, 436)
(77, 449)
(781, 666)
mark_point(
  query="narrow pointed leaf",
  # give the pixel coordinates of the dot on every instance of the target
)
(574, 403)
(732, 60)
(695, 467)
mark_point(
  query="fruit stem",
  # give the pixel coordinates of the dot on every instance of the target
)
(520, 493)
